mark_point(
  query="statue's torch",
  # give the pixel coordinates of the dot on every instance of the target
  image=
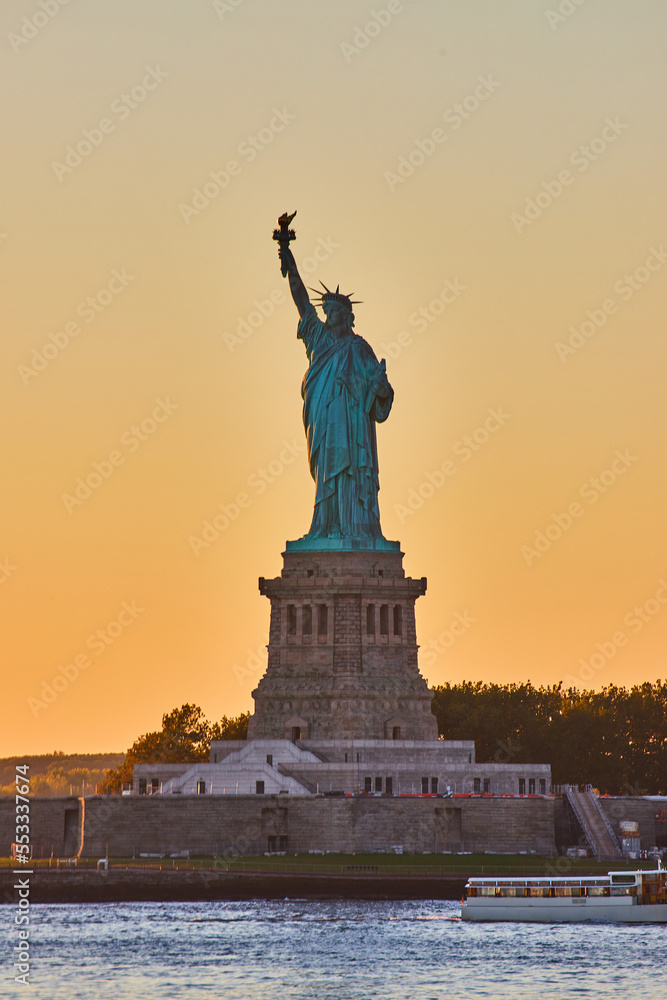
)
(284, 237)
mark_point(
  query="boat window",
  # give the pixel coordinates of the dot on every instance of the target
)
(623, 890)
(597, 890)
(623, 879)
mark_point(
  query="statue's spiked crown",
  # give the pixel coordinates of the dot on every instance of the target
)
(328, 296)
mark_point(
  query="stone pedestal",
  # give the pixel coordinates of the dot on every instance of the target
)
(342, 650)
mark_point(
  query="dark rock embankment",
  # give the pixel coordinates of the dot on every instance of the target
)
(143, 885)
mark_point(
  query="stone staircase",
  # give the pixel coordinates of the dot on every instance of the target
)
(597, 828)
(287, 771)
(316, 753)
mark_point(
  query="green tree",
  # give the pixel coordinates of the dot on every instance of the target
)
(235, 728)
(185, 737)
(614, 739)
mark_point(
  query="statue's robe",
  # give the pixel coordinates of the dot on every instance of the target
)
(345, 393)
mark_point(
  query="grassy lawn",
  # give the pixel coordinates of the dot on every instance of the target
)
(432, 864)
(405, 864)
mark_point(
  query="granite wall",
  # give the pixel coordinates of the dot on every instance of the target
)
(252, 824)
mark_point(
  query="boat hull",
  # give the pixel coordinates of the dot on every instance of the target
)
(563, 911)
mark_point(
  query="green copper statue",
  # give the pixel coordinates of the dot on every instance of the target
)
(345, 393)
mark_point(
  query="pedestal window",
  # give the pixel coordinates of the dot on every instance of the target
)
(307, 621)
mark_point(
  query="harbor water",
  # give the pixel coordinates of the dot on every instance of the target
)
(333, 950)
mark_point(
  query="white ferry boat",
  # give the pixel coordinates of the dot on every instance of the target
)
(621, 897)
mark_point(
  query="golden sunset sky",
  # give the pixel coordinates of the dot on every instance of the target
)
(488, 177)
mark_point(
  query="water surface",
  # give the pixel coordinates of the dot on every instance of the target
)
(334, 950)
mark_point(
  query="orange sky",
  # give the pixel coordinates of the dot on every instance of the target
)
(488, 178)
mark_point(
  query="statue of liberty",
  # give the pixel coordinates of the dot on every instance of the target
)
(345, 393)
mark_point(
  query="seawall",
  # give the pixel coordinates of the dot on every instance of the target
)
(134, 885)
(127, 826)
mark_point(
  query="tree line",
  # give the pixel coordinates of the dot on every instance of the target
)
(58, 773)
(614, 739)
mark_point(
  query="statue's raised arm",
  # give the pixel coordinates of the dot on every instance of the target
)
(284, 235)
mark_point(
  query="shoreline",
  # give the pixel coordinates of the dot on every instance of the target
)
(139, 885)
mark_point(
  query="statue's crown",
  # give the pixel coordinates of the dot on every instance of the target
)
(328, 296)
